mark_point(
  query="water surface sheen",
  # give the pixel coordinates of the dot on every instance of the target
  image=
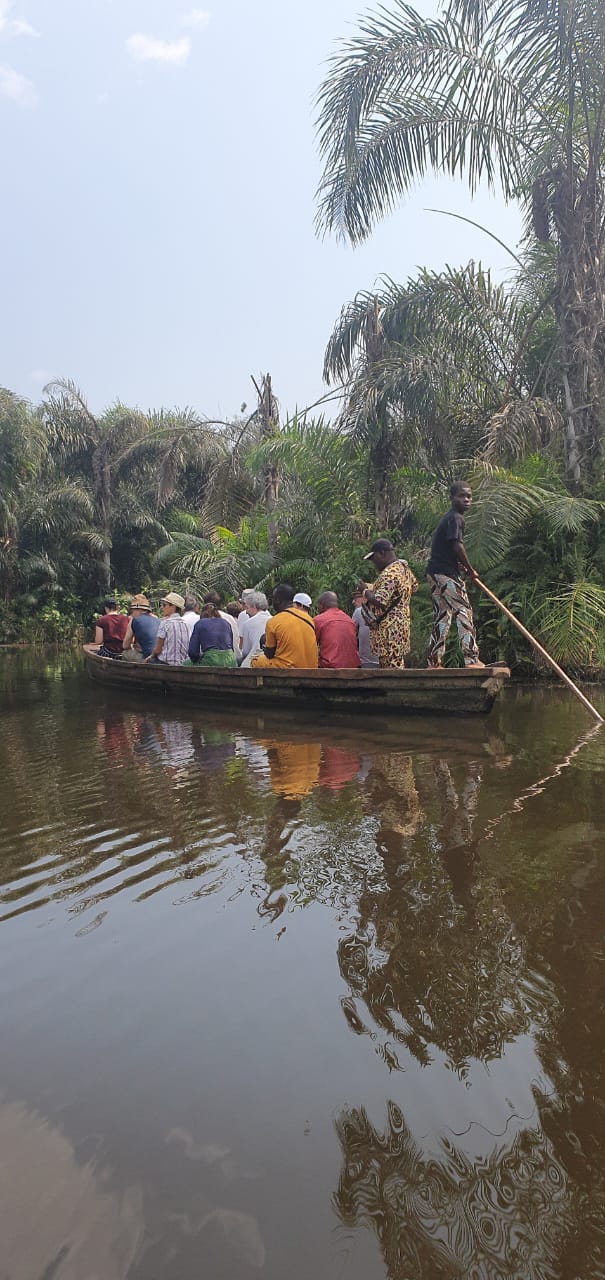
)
(292, 999)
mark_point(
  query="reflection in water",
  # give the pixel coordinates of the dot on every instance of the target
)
(294, 767)
(58, 1216)
(536, 788)
(506, 1214)
(150, 858)
(433, 964)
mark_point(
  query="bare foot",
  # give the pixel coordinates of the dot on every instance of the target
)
(474, 664)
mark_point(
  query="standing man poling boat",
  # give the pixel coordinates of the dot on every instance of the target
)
(387, 605)
(447, 564)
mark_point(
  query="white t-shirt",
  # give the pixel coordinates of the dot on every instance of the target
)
(252, 631)
(233, 625)
(242, 626)
(190, 617)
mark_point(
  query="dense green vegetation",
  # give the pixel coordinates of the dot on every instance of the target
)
(176, 500)
(447, 375)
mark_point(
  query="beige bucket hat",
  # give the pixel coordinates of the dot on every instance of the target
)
(173, 598)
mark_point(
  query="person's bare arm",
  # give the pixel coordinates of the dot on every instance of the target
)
(98, 635)
(157, 649)
(128, 641)
(463, 560)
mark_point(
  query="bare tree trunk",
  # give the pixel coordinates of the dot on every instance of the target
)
(379, 462)
(379, 449)
(268, 409)
(101, 470)
(577, 208)
(572, 452)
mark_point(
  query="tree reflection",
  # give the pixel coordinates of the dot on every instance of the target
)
(507, 1214)
(433, 962)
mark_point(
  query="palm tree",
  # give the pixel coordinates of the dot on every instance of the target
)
(356, 355)
(445, 366)
(268, 419)
(22, 448)
(130, 460)
(320, 512)
(508, 91)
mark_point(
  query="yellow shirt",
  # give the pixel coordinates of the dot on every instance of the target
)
(293, 636)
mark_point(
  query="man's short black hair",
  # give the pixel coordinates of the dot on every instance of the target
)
(109, 603)
(457, 487)
(284, 593)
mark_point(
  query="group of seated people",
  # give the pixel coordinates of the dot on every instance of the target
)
(245, 633)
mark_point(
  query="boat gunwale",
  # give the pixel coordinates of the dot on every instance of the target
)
(349, 675)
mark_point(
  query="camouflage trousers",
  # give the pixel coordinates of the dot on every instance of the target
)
(451, 603)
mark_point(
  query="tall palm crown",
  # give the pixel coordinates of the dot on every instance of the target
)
(498, 90)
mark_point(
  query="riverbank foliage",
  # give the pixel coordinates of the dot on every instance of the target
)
(446, 375)
(178, 501)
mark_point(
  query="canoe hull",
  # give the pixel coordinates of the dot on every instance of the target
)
(417, 691)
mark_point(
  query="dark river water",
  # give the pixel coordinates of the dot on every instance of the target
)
(298, 1000)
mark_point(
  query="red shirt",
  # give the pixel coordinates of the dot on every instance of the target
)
(114, 627)
(337, 639)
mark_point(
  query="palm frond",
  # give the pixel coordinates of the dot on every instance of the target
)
(521, 426)
(570, 623)
(408, 95)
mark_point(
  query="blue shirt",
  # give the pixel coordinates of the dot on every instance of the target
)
(144, 630)
(209, 633)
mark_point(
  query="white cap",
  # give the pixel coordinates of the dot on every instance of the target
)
(301, 597)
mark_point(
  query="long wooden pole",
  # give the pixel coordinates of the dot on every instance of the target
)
(547, 658)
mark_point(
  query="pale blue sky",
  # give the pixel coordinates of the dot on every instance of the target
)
(159, 169)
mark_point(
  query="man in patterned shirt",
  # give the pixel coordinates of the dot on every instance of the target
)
(172, 640)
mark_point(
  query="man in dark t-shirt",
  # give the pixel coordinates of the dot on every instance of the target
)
(448, 562)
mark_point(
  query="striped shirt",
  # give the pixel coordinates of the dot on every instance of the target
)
(175, 634)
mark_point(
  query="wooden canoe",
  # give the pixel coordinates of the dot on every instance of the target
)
(415, 691)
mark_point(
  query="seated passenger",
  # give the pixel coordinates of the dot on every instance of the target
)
(336, 634)
(213, 598)
(191, 614)
(242, 615)
(211, 643)
(172, 637)
(303, 601)
(141, 631)
(110, 630)
(253, 629)
(289, 636)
